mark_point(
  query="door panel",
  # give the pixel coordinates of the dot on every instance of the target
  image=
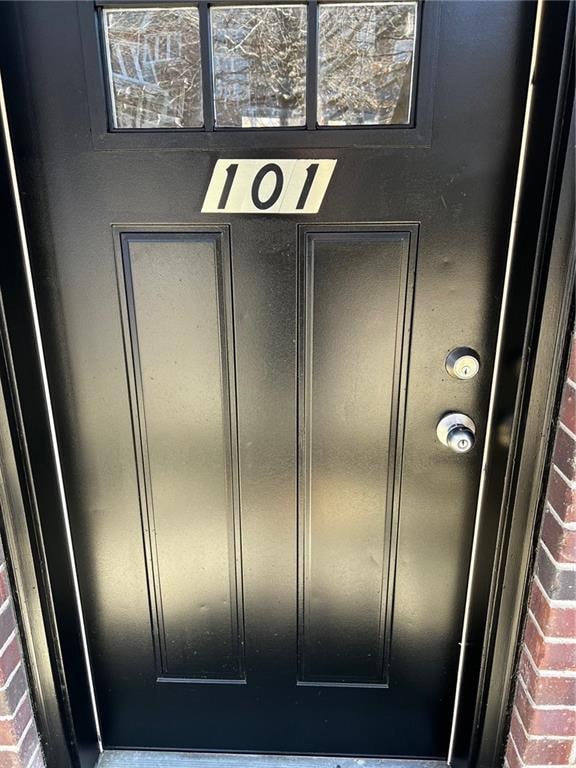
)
(352, 312)
(272, 545)
(178, 300)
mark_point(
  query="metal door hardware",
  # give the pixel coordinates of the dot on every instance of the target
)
(463, 363)
(457, 431)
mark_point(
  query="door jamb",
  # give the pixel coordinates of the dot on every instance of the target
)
(63, 721)
(62, 714)
(533, 344)
(552, 332)
(20, 523)
(18, 519)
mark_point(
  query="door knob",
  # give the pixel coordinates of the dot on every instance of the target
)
(457, 431)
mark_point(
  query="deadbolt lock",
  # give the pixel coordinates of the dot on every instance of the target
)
(463, 363)
(457, 432)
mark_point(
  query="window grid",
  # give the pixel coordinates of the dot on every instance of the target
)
(206, 61)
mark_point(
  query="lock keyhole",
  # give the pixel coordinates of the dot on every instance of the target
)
(457, 431)
(463, 363)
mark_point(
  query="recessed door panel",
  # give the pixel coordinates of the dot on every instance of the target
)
(353, 311)
(178, 302)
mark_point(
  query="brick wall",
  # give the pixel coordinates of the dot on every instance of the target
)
(19, 744)
(543, 728)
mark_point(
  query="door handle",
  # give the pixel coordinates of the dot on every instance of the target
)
(457, 432)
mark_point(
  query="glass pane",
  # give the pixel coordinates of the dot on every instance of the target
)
(154, 67)
(366, 54)
(259, 60)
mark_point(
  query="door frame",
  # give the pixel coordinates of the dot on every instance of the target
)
(540, 305)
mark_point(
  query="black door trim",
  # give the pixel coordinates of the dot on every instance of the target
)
(43, 572)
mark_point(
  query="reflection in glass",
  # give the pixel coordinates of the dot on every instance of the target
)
(259, 61)
(154, 67)
(366, 53)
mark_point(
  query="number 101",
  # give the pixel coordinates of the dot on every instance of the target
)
(268, 186)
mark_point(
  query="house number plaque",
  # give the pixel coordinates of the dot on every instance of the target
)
(268, 186)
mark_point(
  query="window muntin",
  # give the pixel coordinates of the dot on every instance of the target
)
(365, 62)
(154, 68)
(259, 66)
(214, 66)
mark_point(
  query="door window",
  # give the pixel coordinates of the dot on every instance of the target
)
(154, 73)
(259, 65)
(314, 66)
(365, 60)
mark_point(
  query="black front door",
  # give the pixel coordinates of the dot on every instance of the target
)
(272, 541)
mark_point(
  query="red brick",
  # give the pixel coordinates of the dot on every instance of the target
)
(572, 363)
(18, 736)
(543, 726)
(511, 755)
(29, 743)
(562, 497)
(548, 752)
(553, 621)
(12, 760)
(4, 585)
(9, 659)
(12, 730)
(568, 408)
(540, 751)
(546, 689)
(560, 541)
(558, 582)
(549, 656)
(544, 722)
(38, 761)
(564, 455)
(7, 623)
(518, 734)
(20, 757)
(11, 693)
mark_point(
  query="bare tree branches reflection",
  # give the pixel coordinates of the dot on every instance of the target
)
(365, 65)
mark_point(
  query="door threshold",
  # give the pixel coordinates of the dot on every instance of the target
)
(117, 758)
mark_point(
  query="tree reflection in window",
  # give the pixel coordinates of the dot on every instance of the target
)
(259, 65)
(366, 53)
(154, 67)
